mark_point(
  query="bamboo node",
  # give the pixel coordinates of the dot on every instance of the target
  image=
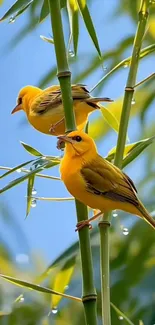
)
(129, 89)
(104, 223)
(63, 74)
(89, 297)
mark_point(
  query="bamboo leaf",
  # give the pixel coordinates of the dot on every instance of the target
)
(62, 280)
(126, 62)
(46, 39)
(24, 177)
(121, 315)
(29, 193)
(136, 150)
(19, 12)
(18, 5)
(32, 286)
(16, 168)
(89, 23)
(31, 150)
(73, 14)
(110, 119)
(44, 11)
(131, 151)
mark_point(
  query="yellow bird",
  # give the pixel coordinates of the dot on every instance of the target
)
(45, 111)
(95, 181)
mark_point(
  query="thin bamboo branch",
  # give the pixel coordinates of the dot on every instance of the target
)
(64, 76)
(23, 170)
(129, 90)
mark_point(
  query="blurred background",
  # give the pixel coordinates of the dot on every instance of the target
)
(28, 246)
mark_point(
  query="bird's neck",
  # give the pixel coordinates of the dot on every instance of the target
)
(70, 165)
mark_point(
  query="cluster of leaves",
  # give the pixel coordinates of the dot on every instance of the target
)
(132, 258)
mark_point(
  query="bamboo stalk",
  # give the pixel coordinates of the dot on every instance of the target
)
(131, 81)
(64, 76)
(104, 224)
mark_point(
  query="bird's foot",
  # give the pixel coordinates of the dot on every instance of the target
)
(82, 224)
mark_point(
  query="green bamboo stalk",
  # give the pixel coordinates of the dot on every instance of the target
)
(88, 293)
(104, 224)
(129, 90)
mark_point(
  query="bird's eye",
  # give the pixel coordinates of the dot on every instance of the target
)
(19, 101)
(77, 138)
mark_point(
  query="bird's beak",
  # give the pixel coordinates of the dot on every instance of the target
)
(16, 109)
(62, 139)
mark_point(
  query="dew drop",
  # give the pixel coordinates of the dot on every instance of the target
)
(71, 53)
(34, 191)
(33, 203)
(105, 68)
(125, 65)
(54, 310)
(18, 170)
(66, 287)
(22, 258)
(12, 20)
(125, 231)
(120, 317)
(21, 299)
(133, 101)
(115, 214)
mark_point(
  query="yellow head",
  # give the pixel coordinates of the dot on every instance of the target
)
(78, 143)
(25, 95)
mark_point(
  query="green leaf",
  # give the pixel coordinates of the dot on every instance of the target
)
(74, 22)
(46, 39)
(131, 151)
(126, 62)
(15, 168)
(62, 279)
(29, 193)
(121, 314)
(24, 177)
(136, 150)
(44, 11)
(36, 287)
(18, 5)
(89, 23)
(19, 12)
(31, 150)
(110, 119)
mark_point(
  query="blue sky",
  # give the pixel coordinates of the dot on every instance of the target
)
(50, 226)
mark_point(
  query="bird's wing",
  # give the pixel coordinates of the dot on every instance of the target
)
(105, 179)
(52, 98)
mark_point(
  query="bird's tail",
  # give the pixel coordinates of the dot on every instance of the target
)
(93, 101)
(146, 216)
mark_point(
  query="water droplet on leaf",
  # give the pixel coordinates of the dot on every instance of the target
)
(115, 214)
(33, 203)
(21, 299)
(125, 231)
(34, 191)
(125, 65)
(120, 317)
(133, 101)
(54, 310)
(105, 68)
(12, 20)
(18, 170)
(71, 53)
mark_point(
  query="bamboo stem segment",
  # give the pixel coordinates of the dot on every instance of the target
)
(88, 293)
(131, 81)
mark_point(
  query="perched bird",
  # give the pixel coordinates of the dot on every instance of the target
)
(45, 111)
(95, 181)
